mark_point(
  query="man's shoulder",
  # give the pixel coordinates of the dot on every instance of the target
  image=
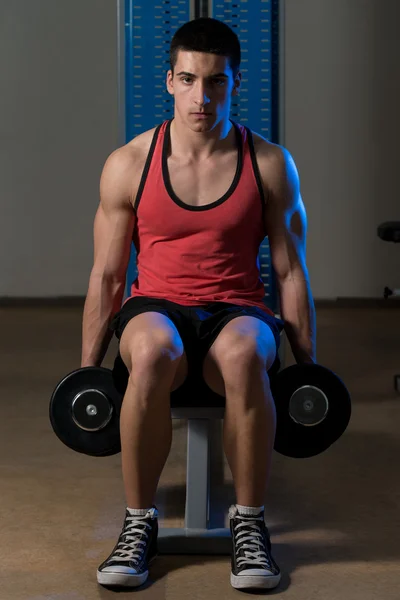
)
(271, 157)
(133, 152)
(274, 161)
(265, 148)
(127, 162)
(142, 141)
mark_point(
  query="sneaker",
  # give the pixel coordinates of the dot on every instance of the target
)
(128, 563)
(252, 564)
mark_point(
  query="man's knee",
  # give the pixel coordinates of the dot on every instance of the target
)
(247, 353)
(248, 358)
(150, 342)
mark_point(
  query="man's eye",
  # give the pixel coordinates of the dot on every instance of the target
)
(213, 80)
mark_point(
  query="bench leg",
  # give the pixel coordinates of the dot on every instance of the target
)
(197, 537)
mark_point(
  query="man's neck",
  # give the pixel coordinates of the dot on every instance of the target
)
(200, 147)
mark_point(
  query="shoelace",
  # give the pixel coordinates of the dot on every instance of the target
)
(129, 547)
(251, 541)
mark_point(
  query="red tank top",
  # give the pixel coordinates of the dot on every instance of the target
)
(195, 255)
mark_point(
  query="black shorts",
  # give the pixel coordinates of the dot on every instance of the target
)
(198, 327)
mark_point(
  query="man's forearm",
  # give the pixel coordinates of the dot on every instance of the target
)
(298, 314)
(103, 301)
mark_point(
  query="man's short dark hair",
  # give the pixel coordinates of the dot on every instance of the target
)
(206, 35)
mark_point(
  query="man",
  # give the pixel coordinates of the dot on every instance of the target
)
(198, 194)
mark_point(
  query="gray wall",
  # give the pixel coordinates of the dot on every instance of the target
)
(59, 122)
(58, 108)
(342, 127)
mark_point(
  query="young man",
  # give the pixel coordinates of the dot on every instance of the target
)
(198, 194)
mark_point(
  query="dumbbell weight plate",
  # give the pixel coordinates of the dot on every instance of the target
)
(84, 412)
(313, 409)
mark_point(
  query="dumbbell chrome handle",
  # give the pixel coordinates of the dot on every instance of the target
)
(91, 410)
(306, 410)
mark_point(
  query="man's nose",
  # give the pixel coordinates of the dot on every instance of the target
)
(201, 95)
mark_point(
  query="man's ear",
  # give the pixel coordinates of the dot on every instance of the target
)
(237, 84)
(168, 82)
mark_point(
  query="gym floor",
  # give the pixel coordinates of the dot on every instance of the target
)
(334, 519)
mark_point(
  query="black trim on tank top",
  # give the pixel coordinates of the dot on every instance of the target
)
(255, 167)
(167, 181)
(146, 167)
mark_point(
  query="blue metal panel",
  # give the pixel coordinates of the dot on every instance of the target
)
(149, 30)
(256, 25)
(150, 27)
(251, 22)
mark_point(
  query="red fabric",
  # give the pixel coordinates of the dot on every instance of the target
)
(198, 255)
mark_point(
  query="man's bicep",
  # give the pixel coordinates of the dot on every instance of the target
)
(285, 217)
(115, 220)
(287, 246)
(298, 224)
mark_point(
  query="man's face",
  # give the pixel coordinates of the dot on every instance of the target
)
(202, 83)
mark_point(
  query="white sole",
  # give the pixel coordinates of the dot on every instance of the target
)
(267, 582)
(123, 579)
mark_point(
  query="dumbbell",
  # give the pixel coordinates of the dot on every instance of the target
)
(85, 408)
(313, 409)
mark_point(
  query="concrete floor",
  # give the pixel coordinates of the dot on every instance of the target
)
(334, 519)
